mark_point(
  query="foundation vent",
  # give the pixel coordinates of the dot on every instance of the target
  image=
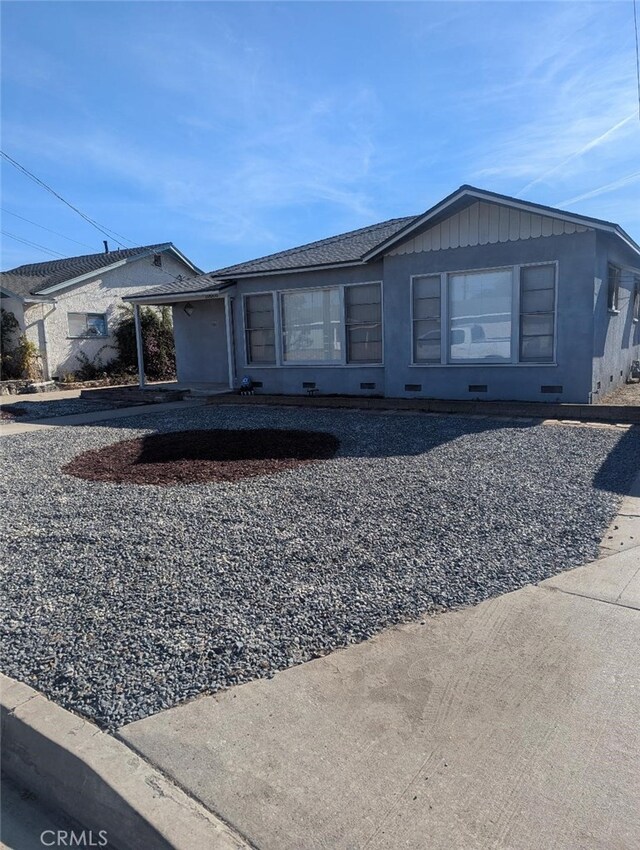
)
(477, 388)
(308, 385)
(367, 386)
(413, 388)
(555, 389)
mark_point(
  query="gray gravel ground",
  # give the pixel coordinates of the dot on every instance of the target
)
(57, 407)
(124, 600)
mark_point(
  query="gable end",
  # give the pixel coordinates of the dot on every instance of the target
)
(486, 224)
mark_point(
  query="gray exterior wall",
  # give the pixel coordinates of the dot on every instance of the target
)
(581, 333)
(201, 342)
(289, 379)
(575, 255)
(616, 337)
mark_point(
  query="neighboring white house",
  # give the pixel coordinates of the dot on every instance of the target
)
(72, 305)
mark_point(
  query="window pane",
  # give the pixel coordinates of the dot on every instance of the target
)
(77, 324)
(365, 352)
(537, 301)
(537, 324)
(426, 308)
(537, 349)
(363, 313)
(426, 287)
(87, 324)
(260, 334)
(368, 293)
(426, 341)
(537, 277)
(311, 326)
(96, 325)
(480, 316)
(259, 311)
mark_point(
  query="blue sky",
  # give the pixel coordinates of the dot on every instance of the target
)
(239, 129)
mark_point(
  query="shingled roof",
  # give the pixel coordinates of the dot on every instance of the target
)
(335, 250)
(35, 277)
(344, 248)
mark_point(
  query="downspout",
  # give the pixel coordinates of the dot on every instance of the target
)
(139, 349)
(227, 318)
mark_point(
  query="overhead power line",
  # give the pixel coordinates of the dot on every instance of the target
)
(111, 234)
(32, 244)
(48, 229)
(635, 23)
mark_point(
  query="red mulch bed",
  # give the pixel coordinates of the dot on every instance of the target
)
(195, 457)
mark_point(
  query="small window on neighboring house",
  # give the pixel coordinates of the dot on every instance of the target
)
(87, 324)
(636, 298)
(157, 260)
(259, 329)
(614, 288)
(363, 321)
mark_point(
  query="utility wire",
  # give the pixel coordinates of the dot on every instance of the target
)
(635, 23)
(111, 234)
(32, 244)
(42, 227)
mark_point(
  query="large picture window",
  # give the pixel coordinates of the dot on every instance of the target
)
(87, 324)
(363, 323)
(259, 329)
(480, 305)
(537, 313)
(311, 326)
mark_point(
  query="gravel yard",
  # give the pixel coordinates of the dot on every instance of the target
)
(125, 599)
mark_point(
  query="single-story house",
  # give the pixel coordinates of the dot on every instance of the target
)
(71, 305)
(482, 296)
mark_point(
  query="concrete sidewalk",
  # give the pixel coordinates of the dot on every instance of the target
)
(8, 429)
(511, 725)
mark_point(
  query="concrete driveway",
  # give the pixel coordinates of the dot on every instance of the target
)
(514, 724)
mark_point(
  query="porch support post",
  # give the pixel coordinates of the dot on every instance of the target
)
(229, 329)
(140, 351)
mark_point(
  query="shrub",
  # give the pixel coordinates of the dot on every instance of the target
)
(157, 343)
(19, 359)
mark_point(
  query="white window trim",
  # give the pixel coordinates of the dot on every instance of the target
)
(515, 320)
(614, 309)
(278, 329)
(86, 313)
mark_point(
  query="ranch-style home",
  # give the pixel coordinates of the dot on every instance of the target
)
(71, 305)
(482, 296)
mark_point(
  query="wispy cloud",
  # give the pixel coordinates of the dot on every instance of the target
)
(602, 190)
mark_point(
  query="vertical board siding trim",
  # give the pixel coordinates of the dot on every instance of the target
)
(483, 223)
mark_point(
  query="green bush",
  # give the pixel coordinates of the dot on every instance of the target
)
(157, 343)
(19, 358)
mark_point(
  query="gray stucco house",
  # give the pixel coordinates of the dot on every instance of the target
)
(482, 296)
(71, 305)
